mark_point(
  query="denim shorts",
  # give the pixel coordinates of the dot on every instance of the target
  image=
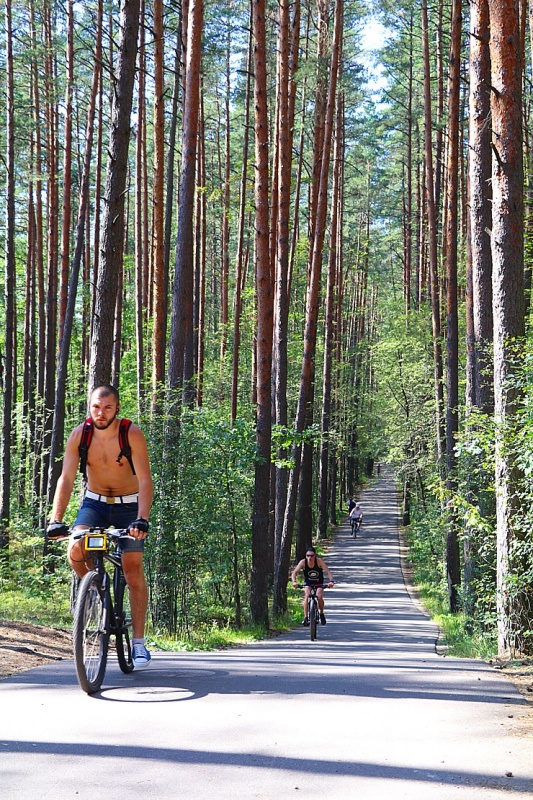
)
(96, 514)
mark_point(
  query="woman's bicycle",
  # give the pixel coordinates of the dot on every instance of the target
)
(313, 610)
(101, 610)
(355, 522)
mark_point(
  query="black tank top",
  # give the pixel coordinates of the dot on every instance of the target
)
(313, 575)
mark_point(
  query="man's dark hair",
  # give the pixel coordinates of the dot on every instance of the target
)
(106, 389)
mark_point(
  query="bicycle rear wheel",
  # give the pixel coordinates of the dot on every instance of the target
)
(312, 618)
(91, 632)
(123, 632)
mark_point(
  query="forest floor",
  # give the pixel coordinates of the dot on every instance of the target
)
(24, 646)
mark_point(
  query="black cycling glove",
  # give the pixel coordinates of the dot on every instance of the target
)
(57, 530)
(141, 524)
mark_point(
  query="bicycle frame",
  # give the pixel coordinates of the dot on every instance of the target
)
(313, 609)
(99, 610)
(355, 522)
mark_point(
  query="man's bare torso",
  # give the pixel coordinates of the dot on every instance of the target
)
(105, 475)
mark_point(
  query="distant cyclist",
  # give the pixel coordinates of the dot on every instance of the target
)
(351, 504)
(356, 518)
(313, 568)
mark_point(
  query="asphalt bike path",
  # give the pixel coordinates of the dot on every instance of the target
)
(368, 711)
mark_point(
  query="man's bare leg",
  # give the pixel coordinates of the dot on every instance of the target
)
(132, 564)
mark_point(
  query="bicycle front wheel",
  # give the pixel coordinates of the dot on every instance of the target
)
(91, 632)
(123, 622)
(312, 618)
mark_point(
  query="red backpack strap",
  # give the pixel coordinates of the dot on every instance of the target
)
(86, 436)
(123, 440)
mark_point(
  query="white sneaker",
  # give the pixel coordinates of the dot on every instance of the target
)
(141, 656)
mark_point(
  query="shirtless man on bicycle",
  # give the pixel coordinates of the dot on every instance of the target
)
(115, 496)
(313, 568)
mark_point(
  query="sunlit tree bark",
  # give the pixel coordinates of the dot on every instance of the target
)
(508, 303)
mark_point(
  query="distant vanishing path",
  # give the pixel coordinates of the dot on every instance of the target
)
(391, 719)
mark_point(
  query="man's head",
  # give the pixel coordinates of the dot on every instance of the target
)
(104, 406)
(357, 505)
(310, 553)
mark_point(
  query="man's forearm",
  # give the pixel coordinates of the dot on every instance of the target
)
(61, 500)
(145, 499)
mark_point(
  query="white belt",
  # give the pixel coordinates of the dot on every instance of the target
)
(125, 498)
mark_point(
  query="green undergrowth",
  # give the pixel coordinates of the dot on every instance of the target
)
(49, 610)
(215, 636)
(457, 636)
(460, 635)
(52, 610)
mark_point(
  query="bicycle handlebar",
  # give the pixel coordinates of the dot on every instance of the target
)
(322, 586)
(79, 533)
(113, 533)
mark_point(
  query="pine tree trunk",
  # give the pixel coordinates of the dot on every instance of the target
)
(312, 302)
(159, 285)
(453, 565)
(201, 256)
(432, 234)
(239, 259)
(329, 332)
(224, 282)
(479, 260)
(182, 296)
(508, 299)
(114, 196)
(141, 265)
(67, 173)
(58, 427)
(161, 288)
(52, 194)
(480, 202)
(265, 306)
(280, 225)
(40, 252)
(9, 293)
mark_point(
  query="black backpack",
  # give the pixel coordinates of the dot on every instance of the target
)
(87, 435)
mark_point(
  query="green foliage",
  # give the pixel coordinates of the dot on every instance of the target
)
(405, 389)
(426, 536)
(202, 504)
(462, 635)
(283, 438)
(28, 592)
